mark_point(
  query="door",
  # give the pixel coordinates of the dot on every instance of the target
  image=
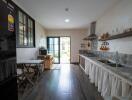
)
(53, 45)
(59, 48)
(65, 49)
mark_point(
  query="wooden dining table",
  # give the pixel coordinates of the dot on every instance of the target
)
(25, 65)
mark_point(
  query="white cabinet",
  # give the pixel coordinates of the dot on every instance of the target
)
(96, 75)
(126, 89)
(116, 88)
(92, 73)
(82, 62)
(108, 83)
(87, 66)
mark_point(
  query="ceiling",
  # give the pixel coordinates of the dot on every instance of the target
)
(51, 13)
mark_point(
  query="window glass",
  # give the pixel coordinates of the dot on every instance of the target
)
(21, 27)
(24, 19)
(21, 39)
(20, 17)
(51, 41)
(51, 48)
(31, 24)
(25, 38)
(25, 30)
(56, 41)
(56, 47)
(56, 54)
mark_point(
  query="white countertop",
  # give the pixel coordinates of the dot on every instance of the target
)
(30, 62)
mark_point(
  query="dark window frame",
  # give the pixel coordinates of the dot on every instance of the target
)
(27, 34)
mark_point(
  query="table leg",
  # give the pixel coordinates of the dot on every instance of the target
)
(28, 72)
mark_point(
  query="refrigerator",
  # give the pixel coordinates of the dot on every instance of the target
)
(8, 79)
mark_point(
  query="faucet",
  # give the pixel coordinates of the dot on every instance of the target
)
(117, 58)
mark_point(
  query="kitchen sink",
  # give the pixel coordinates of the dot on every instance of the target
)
(110, 63)
(114, 65)
(104, 61)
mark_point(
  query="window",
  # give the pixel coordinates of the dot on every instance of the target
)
(30, 32)
(25, 30)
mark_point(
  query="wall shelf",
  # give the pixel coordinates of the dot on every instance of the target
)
(118, 36)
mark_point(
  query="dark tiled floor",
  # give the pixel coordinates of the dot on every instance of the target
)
(68, 83)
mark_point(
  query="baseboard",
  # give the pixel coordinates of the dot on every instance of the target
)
(76, 63)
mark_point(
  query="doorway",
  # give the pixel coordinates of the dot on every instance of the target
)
(59, 48)
(65, 49)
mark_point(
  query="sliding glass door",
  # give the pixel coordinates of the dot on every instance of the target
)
(59, 48)
(53, 45)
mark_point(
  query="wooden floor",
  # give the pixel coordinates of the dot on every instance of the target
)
(68, 83)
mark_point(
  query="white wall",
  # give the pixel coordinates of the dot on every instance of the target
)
(76, 35)
(40, 40)
(119, 17)
(40, 35)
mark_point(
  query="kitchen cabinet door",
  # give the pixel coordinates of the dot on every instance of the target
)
(82, 62)
(87, 66)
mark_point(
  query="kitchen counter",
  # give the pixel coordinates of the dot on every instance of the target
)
(124, 73)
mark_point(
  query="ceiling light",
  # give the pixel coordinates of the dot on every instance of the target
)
(67, 20)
